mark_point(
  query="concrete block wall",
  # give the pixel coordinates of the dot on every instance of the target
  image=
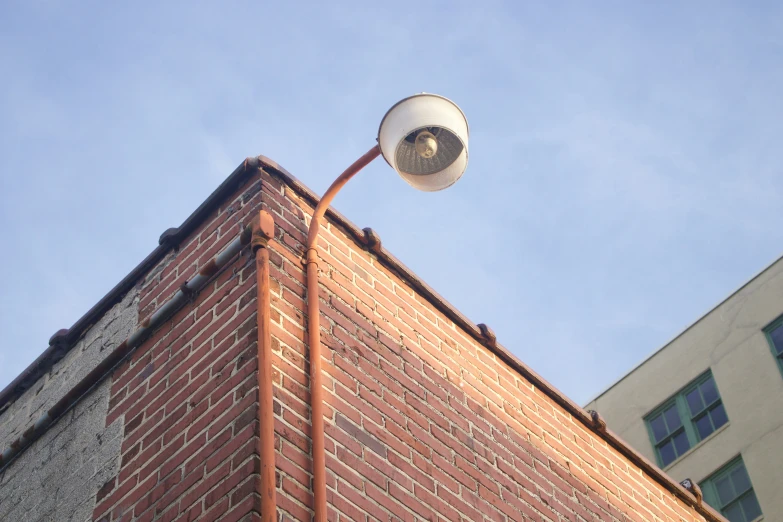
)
(58, 476)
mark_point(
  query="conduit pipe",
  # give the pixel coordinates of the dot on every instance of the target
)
(263, 231)
(314, 333)
(116, 356)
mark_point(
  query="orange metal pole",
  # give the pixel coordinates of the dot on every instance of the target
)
(314, 333)
(263, 231)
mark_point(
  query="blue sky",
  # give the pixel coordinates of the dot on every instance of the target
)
(625, 158)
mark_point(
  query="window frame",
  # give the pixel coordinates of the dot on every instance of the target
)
(687, 420)
(774, 325)
(710, 492)
(670, 437)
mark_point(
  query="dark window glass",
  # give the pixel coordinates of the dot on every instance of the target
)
(750, 505)
(672, 418)
(718, 414)
(734, 513)
(667, 453)
(777, 338)
(705, 395)
(659, 428)
(681, 443)
(741, 480)
(725, 491)
(703, 426)
(694, 401)
(708, 391)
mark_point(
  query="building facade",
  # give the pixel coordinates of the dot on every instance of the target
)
(708, 406)
(147, 408)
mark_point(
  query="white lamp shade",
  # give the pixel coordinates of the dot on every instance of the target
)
(443, 120)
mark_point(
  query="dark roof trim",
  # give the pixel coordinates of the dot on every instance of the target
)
(63, 340)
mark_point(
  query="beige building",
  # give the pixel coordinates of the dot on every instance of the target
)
(708, 406)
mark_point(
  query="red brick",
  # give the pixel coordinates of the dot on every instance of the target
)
(422, 421)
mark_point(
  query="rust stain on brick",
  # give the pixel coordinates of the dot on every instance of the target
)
(209, 269)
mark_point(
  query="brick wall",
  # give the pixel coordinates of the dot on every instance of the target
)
(188, 393)
(423, 422)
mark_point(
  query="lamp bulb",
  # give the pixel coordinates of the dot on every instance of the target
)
(426, 144)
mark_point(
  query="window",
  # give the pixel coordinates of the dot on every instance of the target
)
(774, 334)
(669, 437)
(685, 419)
(729, 491)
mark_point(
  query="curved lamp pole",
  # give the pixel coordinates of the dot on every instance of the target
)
(425, 139)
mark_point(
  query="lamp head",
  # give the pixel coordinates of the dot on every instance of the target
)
(425, 139)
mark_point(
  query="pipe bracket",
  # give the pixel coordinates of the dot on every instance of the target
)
(372, 240)
(187, 292)
(311, 256)
(488, 336)
(263, 229)
(694, 489)
(598, 422)
(170, 238)
(60, 337)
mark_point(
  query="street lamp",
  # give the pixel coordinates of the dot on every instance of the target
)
(425, 139)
